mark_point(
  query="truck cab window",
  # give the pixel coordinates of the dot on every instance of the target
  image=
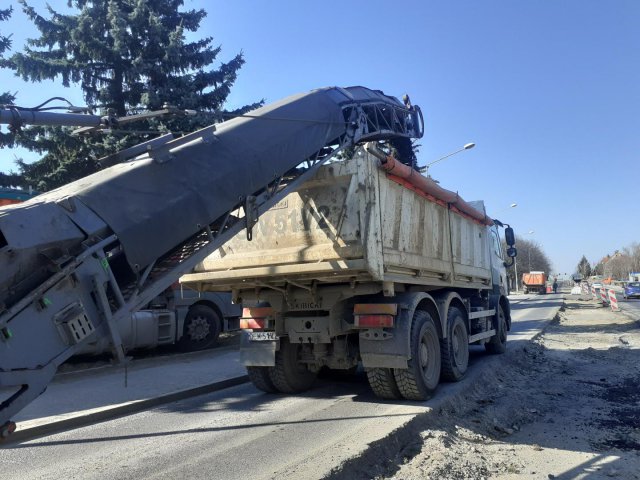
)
(495, 241)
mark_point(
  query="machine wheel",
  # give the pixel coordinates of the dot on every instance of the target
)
(419, 381)
(290, 375)
(498, 343)
(260, 378)
(383, 383)
(455, 348)
(201, 329)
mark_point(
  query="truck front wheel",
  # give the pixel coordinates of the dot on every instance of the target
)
(419, 381)
(290, 375)
(498, 343)
(455, 348)
(201, 329)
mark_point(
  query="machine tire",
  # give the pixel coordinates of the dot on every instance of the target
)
(420, 380)
(260, 378)
(201, 329)
(498, 343)
(290, 375)
(455, 348)
(383, 383)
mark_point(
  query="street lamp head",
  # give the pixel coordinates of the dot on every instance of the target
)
(531, 232)
(513, 205)
(425, 169)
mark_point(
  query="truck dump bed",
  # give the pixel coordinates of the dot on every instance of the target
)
(534, 279)
(353, 222)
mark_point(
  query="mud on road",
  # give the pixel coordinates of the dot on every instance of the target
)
(564, 406)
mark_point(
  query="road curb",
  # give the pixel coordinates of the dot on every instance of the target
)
(121, 410)
(141, 362)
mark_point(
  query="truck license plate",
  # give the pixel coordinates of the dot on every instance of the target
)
(262, 336)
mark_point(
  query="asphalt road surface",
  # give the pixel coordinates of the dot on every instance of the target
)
(631, 305)
(242, 433)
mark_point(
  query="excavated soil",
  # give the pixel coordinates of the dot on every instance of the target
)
(565, 406)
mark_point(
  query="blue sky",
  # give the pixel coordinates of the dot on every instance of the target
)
(548, 90)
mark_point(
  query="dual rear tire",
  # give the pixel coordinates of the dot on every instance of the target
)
(420, 380)
(432, 358)
(289, 375)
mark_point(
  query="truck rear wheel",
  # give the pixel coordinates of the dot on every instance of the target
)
(290, 375)
(498, 343)
(383, 383)
(201, 328)
(260, 378)
(419, 381)
(455, 348)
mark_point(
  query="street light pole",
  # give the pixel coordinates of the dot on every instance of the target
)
(530, 232)
(515, 263)
(425, 169)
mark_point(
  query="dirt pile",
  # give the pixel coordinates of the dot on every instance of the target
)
(566, 405)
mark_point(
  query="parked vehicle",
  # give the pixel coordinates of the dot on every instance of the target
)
(361, 265)
(632, 290)
(534, 282)
(181, 316)
(10, 196)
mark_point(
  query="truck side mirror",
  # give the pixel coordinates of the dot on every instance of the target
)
(510, 238)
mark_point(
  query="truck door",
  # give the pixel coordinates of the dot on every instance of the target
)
(498, 272)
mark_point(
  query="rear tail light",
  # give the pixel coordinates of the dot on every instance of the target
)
(374, 321)
(380, 315)
(255, 317)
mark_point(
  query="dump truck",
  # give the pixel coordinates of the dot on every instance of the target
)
(79, 260)
(369, 263)
(534, 282)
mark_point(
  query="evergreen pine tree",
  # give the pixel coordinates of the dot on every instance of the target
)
(6, 139)
(127, 56)
(5, 44)
(584, 268)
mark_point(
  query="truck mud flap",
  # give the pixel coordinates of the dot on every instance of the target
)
(391, 351)
(257, 353)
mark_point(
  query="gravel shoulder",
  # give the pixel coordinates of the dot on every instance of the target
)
(564, 406)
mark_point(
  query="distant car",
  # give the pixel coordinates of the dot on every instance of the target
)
(631, 290)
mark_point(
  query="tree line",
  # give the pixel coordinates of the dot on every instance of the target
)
(127, 56)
